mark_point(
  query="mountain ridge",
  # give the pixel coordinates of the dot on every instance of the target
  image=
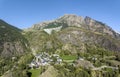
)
(83, 28)
(78, 21)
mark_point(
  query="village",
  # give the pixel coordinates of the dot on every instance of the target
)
(44, 59)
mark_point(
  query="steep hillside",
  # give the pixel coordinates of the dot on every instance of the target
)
(12, 43)
(13, 46)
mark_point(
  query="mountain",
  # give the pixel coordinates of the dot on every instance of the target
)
(69, 46)
(95, 44)
(76, 29)
(78, 21)
(13, 46)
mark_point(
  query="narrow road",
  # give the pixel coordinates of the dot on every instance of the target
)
(99, 68)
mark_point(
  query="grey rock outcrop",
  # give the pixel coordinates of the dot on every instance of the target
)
(87, 23)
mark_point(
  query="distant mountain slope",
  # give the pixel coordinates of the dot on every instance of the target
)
(77, 31)
(78, 21)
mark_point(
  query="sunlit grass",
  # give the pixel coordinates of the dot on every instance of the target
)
(35, 72)
(69, 57)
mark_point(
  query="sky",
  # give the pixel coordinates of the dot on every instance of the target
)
(25, 13)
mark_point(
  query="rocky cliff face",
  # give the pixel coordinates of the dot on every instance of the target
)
(82, 38)
(81, 22)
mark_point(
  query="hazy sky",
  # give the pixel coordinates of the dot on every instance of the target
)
(25, 13)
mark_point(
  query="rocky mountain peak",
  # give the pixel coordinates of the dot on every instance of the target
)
(70, 16)
(88, 20)
(71, 20)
